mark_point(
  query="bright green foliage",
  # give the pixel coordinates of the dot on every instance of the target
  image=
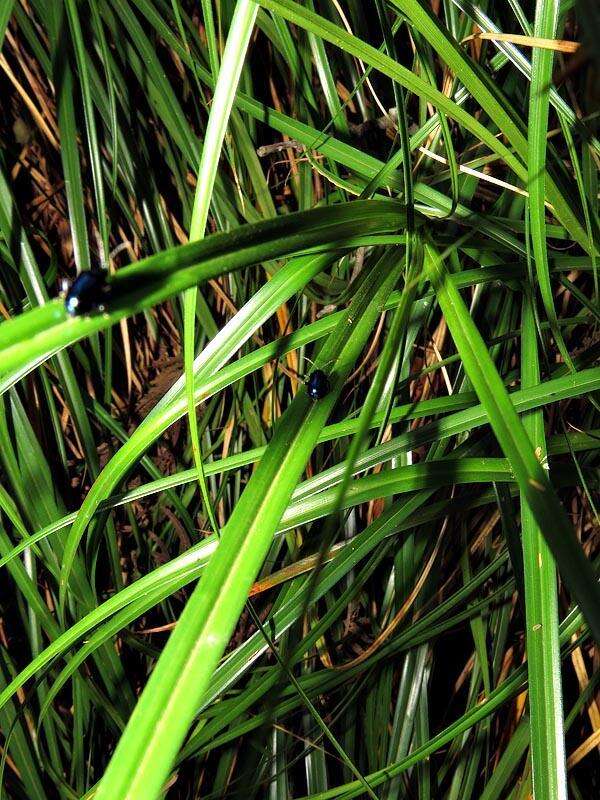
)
(215, 586)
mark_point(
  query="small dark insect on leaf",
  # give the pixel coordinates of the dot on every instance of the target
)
(89, 292)
(317, 385)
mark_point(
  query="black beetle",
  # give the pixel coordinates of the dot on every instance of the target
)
(317, 385)
(88, 292)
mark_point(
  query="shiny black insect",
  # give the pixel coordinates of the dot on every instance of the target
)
(88, 292)
(317, 385)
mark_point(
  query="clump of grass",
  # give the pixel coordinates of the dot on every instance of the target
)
(216, 585)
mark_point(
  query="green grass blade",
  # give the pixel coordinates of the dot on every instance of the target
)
(512, 437)
(541, 605)
(546, 22)
(233, 60)
(148, 747)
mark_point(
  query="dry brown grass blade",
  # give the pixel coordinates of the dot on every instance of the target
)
(402, 612)
(559, 45)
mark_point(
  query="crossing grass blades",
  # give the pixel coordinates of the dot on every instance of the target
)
(221, 578)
